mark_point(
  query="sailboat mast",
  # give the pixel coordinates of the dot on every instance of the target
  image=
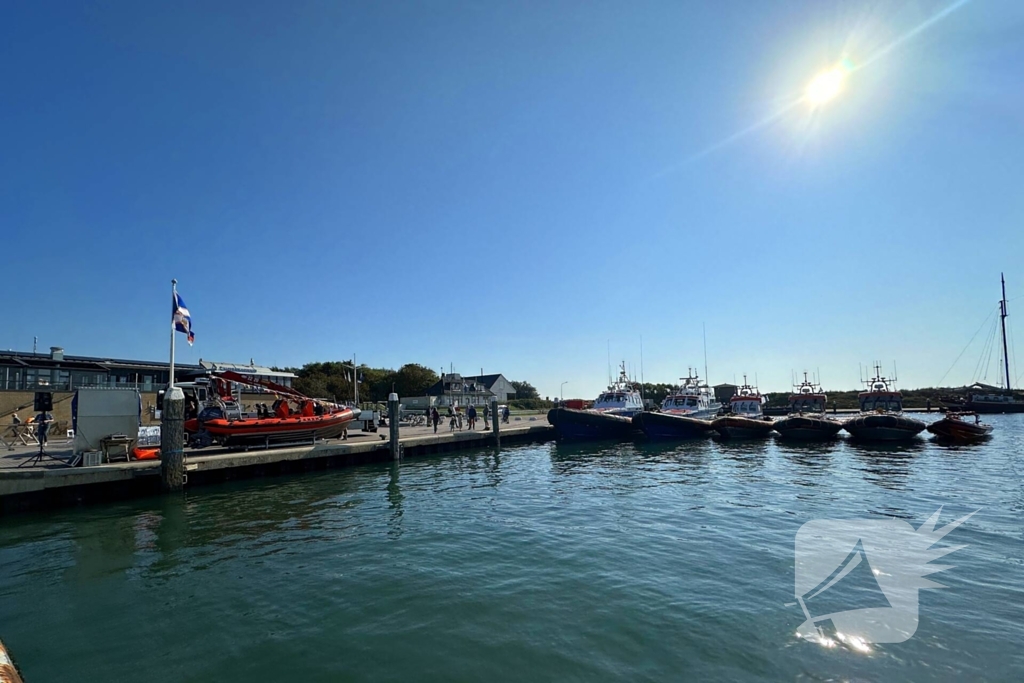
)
(1002, 322)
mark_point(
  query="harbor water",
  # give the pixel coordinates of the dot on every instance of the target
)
(553, 562)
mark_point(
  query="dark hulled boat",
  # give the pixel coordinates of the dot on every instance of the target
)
(610, 418)
(570, 423)
(954, 428)
(686, 413)
(671, 426)
(807, 420)
(881, 414)
(994, 403)
(745, 420)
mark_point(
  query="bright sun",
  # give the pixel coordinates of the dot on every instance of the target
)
(825, 86)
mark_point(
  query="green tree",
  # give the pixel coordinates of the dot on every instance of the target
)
(314, 386)
(413, 379)
(524, 390)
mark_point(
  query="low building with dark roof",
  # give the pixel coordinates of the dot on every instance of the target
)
(57, 371)
(724, 392)
(454, 389)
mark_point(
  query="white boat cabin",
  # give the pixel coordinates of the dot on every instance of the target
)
(621, 398)
(747, 403)
(880, 398)
(691, 397)
(807, 399)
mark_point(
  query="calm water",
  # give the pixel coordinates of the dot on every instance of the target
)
(552, 562)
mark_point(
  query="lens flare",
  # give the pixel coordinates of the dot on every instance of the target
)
(825, 86)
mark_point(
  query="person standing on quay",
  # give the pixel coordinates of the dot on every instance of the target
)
(434, 417)
(471, 415)
(43, 421)
(486, 412)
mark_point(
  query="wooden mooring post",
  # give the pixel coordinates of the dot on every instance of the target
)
(393, 419)
(172, 441)
(495, 421)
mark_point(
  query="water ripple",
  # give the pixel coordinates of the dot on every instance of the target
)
(557, 562)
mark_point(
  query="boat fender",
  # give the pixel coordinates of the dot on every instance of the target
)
(139, 453)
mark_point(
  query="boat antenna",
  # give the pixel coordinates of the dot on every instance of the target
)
(704, 329)
(609, 362)
(642, 399)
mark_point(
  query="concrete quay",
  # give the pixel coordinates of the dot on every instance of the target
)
(52, 484)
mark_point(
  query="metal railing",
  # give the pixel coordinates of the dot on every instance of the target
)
(71, 385)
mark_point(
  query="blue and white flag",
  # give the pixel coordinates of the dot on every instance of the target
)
(182, 319)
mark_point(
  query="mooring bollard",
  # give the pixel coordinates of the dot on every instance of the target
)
(172, 441)
(396, 446)
(495, 420)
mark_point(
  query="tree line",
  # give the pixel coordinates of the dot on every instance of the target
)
(334, 380)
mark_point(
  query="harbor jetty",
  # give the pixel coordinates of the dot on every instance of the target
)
(52, 484)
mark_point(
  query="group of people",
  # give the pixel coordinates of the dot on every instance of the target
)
(41, 423)
(281, 409)
(455, 417)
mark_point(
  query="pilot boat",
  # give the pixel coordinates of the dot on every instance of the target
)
(610, 418)
(954, 428)
(881, 414)
(221, 421)
(807, 420)
(685, 413)
(746, 419)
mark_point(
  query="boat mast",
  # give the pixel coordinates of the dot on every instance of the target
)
(704, 329)
(1002, 322)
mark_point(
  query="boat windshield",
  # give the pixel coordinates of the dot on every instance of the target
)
(888, 403)
(748, 407)
(807, 405)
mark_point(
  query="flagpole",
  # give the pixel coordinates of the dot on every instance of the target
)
(174, 304)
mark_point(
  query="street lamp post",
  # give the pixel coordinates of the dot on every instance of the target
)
(560, 394)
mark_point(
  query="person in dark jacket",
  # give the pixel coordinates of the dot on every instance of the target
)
(471, 416)
(435, 417)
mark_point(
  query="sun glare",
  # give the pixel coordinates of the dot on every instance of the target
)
(825, 86)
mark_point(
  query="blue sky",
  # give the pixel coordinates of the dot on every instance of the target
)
(515, 186)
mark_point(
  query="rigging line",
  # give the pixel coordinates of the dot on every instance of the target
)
(985, 349)
(991, 347)
(966, 347)
(1013, 355)
(977, 363)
